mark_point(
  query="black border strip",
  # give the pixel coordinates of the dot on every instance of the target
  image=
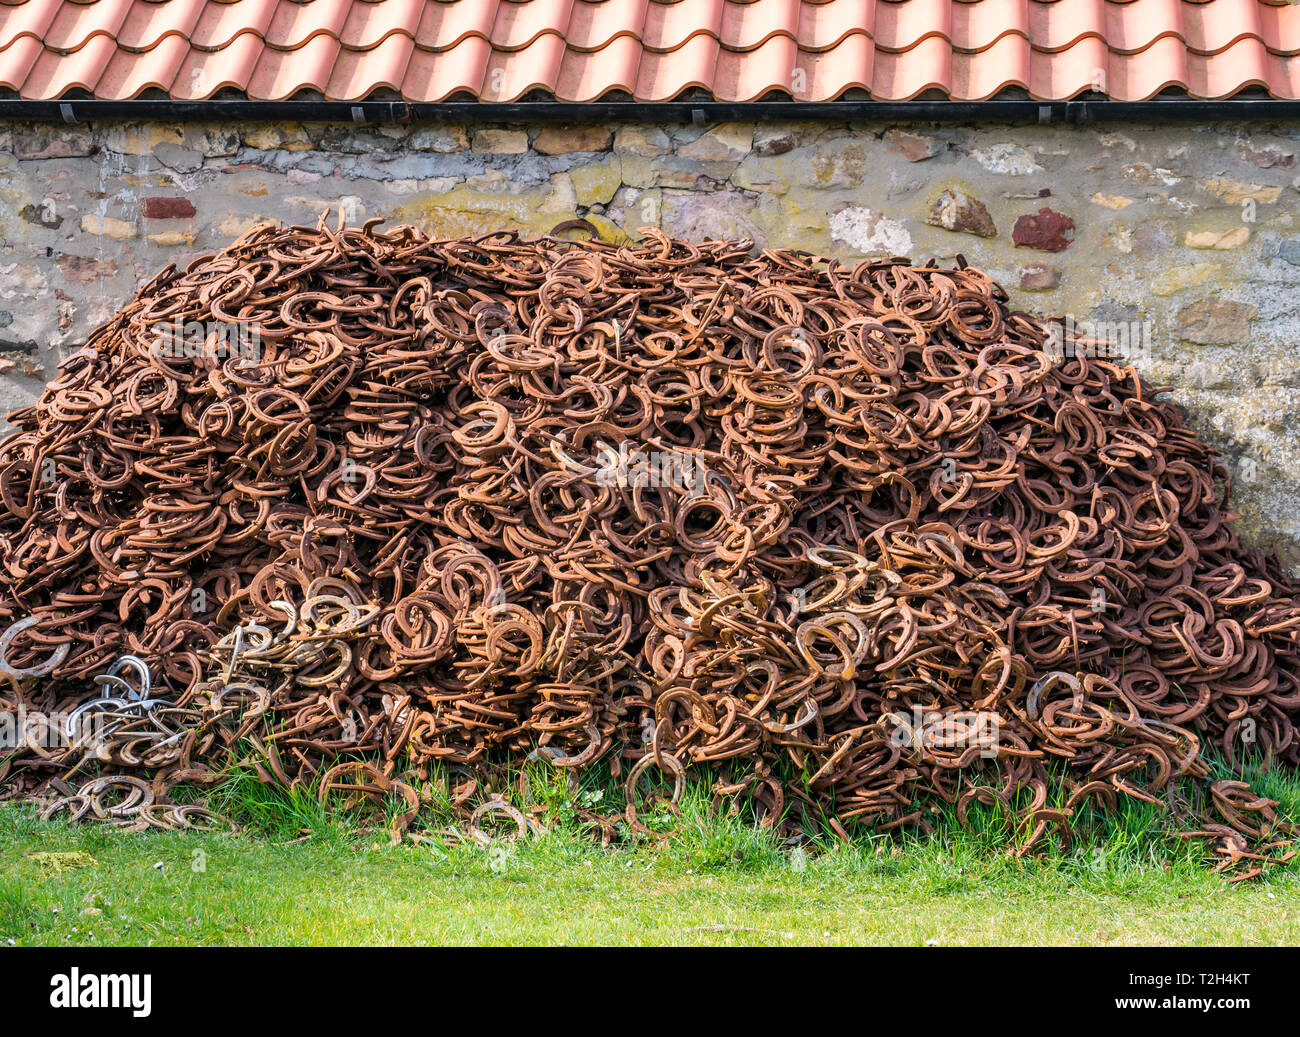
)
(767, 990)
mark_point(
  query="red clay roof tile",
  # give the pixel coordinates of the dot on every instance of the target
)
(437, 75)
(596, 24)
(588, 75)
(1056, 27)
(75, 24)
(582, 50)
(769, 66)
(129, 73)
(369, 24)
(823, 26)
(361, 72)
(25, 20)
(203, 73)
(846, 66)
(17, 60)
(147, 24)
(282, 73)
(295, 23)
(747, 26)
(219, 24)
(665, 74)
(976, 27)
(446, 25)
(668, 26)
(54, 74)
(519, 25)
(512, 73)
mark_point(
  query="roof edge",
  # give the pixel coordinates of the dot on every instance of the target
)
(1020, 111)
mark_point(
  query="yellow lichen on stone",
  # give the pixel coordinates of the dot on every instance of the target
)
(141, 139)
(476, 209)
(1218, 240)
(107, 226)
(596, 182)
(1111, 201)
(1175, 279)
(610, 231)
(285, 136)
(1236, 192)
(171, 238)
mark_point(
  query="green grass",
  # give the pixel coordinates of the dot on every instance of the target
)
(302, 874)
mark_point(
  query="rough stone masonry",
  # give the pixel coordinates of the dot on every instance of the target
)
(1186, 234)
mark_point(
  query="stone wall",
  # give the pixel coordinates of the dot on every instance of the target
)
(1187, 231)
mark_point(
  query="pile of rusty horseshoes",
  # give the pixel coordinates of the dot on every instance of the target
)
(848, 539)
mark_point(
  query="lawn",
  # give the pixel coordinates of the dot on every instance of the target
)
(712, 881)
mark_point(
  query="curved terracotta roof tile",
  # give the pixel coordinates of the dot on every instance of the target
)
(25, 20)
(902, 24)
(1137, 77)
(220, 24)
(297, 22)
(513, 73)
(748, 75)
(282, 73)
(1283, 76)
(1083, 66)
(204, 73)
(848, 65)
(823, 26)
(130, 73)
(1212, 75)
(75, 24)
(589, 75)
(1054, 27)
(582, 50)
(1280, 27)
(1226, 22)
(369, 24)
(1133, 26)
(664, 75)
(147, 24)
(977, 77)
(358, 73)
(520, 24)
(17, 60)
(597, 24)
(437, 75)
(446, 25)
(747, 26)
(976, 27)
(54, 74)
(900, 77)
(668, 26)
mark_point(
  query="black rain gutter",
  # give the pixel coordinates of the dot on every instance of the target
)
(698, 112)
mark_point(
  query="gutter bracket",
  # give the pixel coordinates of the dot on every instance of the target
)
(65, 110)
